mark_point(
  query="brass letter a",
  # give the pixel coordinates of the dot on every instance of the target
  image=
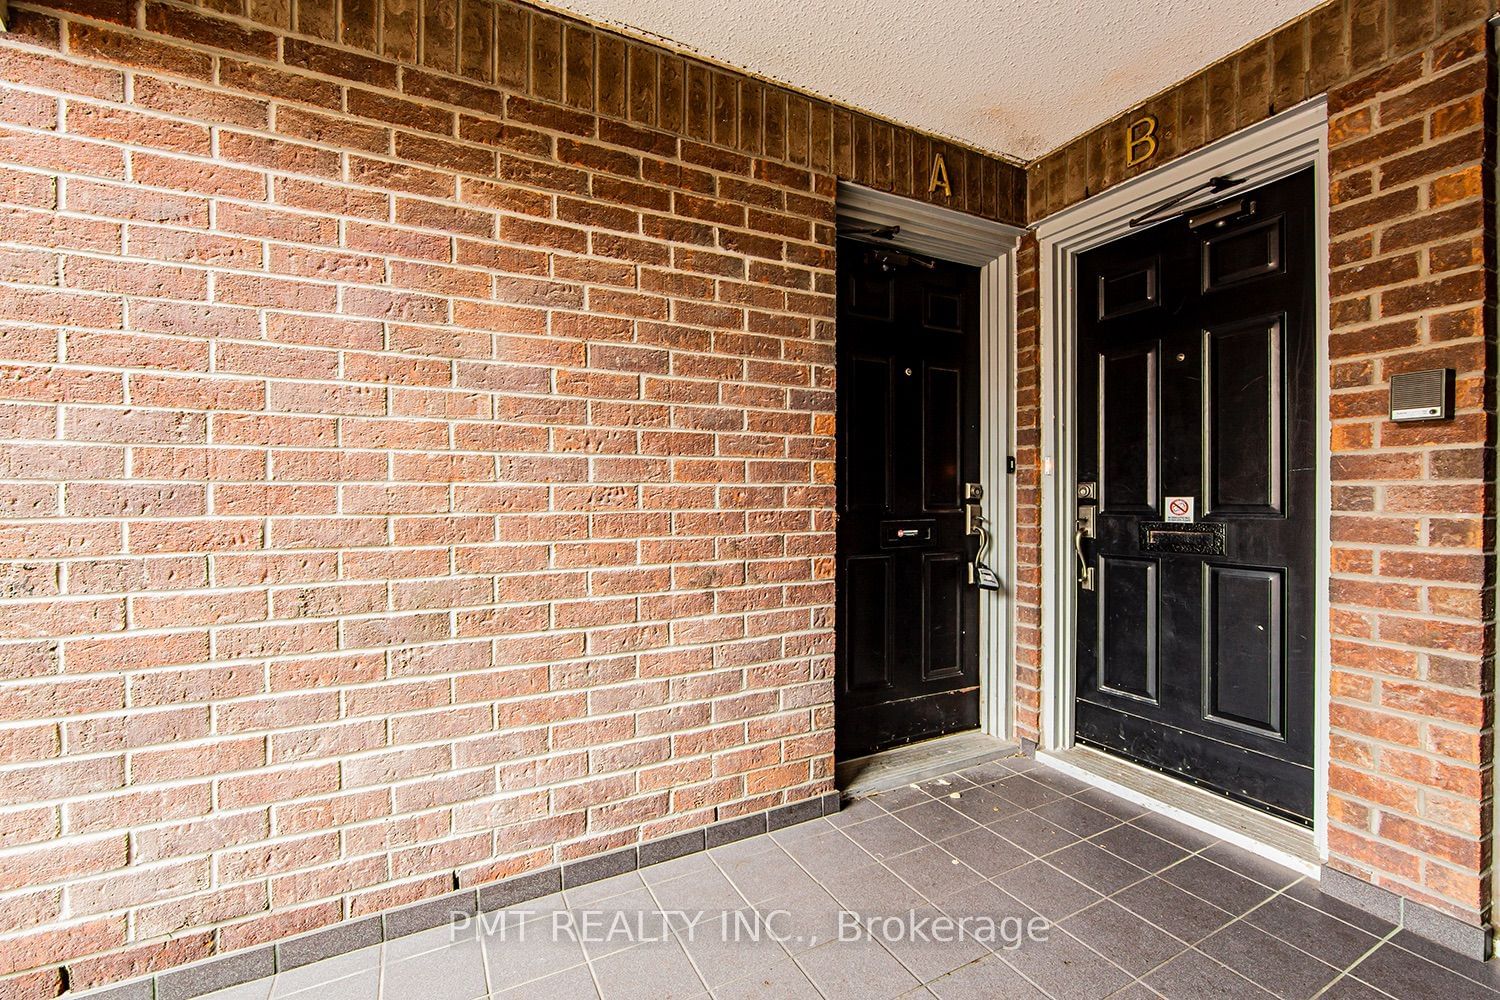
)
(939, 181)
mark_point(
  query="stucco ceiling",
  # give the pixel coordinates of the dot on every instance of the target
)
(1017, 77)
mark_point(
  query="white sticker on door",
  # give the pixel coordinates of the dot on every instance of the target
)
(1180, 510)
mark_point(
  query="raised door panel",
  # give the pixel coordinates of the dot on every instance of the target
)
(1127, 642)
(1243, 418)
(868, 435)
(942, 434)
(1244, 656)
(943, 584)
(1129, 430)
(868, 591)
(1243, 255)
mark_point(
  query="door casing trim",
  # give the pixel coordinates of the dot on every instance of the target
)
(1282, 145)
(934, 231)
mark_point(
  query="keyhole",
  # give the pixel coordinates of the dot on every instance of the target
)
(1182, 357)
(908, 371)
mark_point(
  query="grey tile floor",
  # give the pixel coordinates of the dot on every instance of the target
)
(1121, 904)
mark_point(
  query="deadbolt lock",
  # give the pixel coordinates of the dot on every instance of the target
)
(1088, 491)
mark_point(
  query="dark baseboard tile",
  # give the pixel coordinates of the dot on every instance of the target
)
(671, 848)
(520, 889)
(1360, 894)
(1419, 919)
(800, 812)
(221, 973)
(140, 989)
(430, 913)
(340, 939)
(192, 981)
(739, 828)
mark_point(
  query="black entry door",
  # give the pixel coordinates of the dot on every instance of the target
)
(908, 442)
(1197, 382)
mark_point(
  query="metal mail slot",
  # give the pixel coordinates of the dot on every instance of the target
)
(1203, 539)
(898, 534)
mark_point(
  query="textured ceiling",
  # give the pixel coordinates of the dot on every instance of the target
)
(1017, 77)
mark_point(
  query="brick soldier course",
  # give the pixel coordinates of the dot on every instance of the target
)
(418, 451)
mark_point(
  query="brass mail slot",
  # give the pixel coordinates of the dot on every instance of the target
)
(1203, 539)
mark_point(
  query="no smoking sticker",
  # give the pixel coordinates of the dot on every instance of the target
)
(1180, 510)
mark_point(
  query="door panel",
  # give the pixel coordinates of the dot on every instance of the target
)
(908, 440)
(867, 597)
(868, 438)
(1243, 668)
(1127, 626)
(943, 590)
(1197, 378)
(1242, 380)
(1128, 406)
(1128, 288)
(1243, 254)
(942, 422)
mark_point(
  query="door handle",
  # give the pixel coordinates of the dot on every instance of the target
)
(979, 573)
(974, 525)
(1085, 571)
(1084, 528)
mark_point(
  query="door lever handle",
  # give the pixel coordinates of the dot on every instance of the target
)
(980, 574)
(984, 544)
(1085, 571)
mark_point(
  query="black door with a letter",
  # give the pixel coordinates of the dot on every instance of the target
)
(1196, 458)
(908, 446)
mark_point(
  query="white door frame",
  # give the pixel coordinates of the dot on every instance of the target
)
(1275, 148)
(946, 234)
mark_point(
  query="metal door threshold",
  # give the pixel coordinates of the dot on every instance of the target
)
(1273, 838)
(880, 772)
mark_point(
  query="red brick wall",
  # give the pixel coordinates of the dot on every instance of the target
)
(411, 476)
(1412, 286)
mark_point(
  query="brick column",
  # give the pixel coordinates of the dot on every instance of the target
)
(1412, 604)
(1026, 589)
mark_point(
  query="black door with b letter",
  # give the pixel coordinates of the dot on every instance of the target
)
(908, 460)
(1196, 457)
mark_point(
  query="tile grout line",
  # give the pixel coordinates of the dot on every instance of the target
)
(1056, 924)
(1348, 973)
(819, 883)
(1281, 892)
(1194, 947)
(882, 863)
(677, 936)
(983, 879)
(588, 959)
